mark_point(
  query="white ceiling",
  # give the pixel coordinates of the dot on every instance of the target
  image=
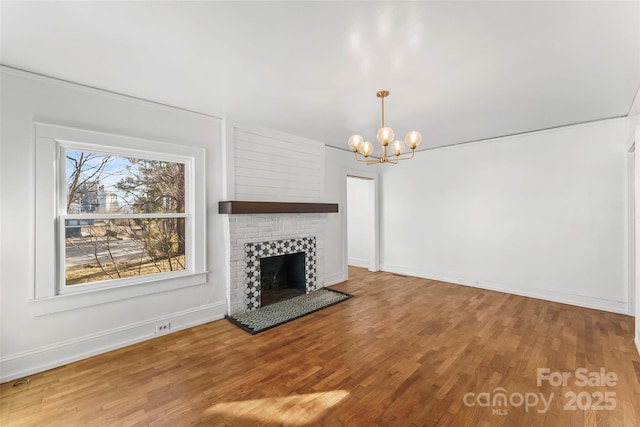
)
(457, 71)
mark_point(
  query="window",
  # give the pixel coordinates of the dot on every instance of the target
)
(123, 216)
(128, 217)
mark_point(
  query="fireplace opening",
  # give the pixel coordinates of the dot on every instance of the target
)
(281, 277)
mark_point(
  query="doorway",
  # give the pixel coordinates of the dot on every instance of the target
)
(362, 223)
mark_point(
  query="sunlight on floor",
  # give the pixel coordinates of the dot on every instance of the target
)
(293, 410)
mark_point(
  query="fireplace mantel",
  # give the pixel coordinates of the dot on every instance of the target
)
(246, 207)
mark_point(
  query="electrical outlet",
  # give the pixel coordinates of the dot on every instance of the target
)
(163, 328)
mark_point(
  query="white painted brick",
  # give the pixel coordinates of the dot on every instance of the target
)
(260, 228)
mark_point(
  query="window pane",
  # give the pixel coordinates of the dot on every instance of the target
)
(100, 183)
(102, 249)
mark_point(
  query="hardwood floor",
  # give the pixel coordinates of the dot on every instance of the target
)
(403, 352)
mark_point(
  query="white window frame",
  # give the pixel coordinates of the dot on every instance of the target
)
(50, 293)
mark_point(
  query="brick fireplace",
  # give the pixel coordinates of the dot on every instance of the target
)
(254, 235)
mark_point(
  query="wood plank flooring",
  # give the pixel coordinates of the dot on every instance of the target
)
(403, 352)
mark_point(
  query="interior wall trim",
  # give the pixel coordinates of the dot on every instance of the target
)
(334, 279)
(27, 363)
(97, 90)
(586, 301)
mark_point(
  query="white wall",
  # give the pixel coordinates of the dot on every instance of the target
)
(32, 343)
(542, 214)
(359, 222)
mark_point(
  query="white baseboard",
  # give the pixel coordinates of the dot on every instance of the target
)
(637, 342)
(30, 362)
(586, 301)
(359, 262)
(334, 279)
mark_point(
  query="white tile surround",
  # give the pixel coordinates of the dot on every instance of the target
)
(266, 227)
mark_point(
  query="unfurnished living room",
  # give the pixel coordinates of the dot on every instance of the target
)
(331, 213)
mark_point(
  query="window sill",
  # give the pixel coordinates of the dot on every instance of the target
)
(73, 301)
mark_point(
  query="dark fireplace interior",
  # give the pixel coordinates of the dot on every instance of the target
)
(281, 277)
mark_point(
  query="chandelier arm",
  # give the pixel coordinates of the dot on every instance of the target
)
(398, 158)
(368, 162)
(384, 159)
(413, 152)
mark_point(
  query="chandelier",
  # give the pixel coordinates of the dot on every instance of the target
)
(385, 138)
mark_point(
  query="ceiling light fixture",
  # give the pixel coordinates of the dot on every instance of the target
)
(385, 137)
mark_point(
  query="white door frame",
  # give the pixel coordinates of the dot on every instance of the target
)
(632, 244)
(374, 259)
(636, 295)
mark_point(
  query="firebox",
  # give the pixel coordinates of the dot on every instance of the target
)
(255, 251)
(282, 277)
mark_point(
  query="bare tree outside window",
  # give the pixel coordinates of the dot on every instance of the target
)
(125, 217)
